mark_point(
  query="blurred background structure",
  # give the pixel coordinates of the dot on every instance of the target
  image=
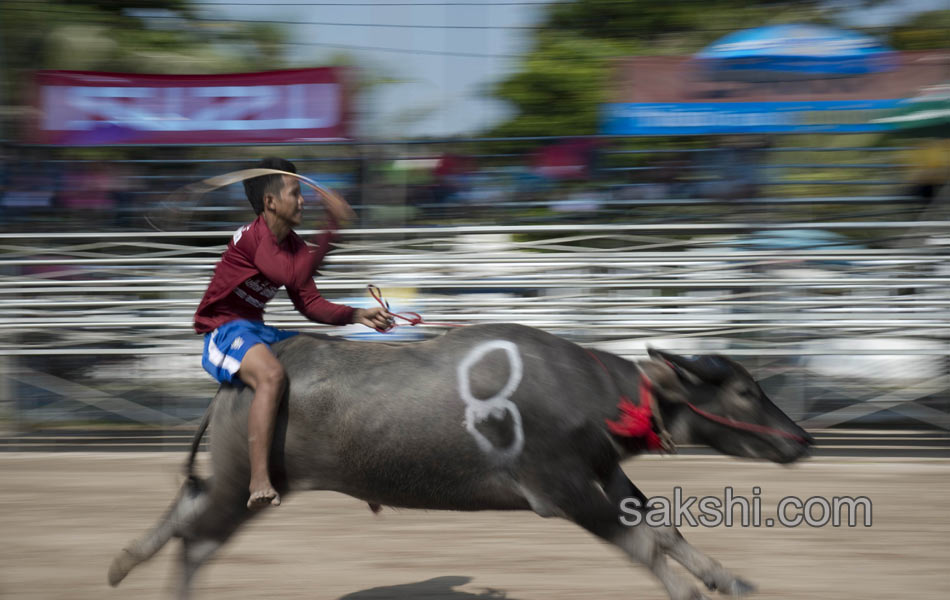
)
(763, 179)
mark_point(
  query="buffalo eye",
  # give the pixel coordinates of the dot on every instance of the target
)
(746, 398)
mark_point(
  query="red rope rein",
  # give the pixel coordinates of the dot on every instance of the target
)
(742, 425)
(411, 318)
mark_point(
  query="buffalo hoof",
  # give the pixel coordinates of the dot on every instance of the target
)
(738, 587)
(121, 566)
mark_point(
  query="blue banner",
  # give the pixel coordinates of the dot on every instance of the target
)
(686, 118)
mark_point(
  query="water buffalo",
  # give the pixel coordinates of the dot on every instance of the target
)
(487, 417)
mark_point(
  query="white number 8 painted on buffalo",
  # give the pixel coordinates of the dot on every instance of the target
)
(478, 410)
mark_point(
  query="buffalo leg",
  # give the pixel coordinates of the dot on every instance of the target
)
(713, 574)
(224, 513)
(586, 503)
(672, 542)
(191, 501)
(193, 554)
(640, 544)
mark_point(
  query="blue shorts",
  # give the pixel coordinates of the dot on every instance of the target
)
(226, 346)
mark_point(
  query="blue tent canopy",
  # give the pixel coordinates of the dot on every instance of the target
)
(779, 52)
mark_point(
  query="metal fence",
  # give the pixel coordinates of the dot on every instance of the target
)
(97, 327)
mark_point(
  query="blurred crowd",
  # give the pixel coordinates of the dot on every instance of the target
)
(560, 180)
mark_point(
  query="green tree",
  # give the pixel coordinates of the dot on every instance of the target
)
(926, 31)
(560, 86)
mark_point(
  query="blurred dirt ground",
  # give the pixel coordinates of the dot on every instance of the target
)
(64, 516)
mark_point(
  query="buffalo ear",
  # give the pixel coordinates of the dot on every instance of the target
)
(671, 362)
(667, 382)
(707, 368)
(660, 355)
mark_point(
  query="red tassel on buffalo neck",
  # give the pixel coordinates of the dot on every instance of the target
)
(637, 421)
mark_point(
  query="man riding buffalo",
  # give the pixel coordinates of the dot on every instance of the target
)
(262, 257)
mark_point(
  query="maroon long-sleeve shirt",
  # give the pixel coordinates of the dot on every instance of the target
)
(254, 267)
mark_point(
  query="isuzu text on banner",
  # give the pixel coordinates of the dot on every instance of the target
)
(79, 108)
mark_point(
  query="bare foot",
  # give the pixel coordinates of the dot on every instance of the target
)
(264, 496)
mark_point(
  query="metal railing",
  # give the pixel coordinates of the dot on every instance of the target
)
(97, 327)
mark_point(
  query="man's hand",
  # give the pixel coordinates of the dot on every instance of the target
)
(377, 318)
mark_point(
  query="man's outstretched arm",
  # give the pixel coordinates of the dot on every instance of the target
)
(315, 307)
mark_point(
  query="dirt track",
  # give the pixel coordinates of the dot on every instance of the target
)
(63, 517)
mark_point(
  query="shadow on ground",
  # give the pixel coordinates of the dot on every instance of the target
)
(438, 588)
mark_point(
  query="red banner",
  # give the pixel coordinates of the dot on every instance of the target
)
(78, 108)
